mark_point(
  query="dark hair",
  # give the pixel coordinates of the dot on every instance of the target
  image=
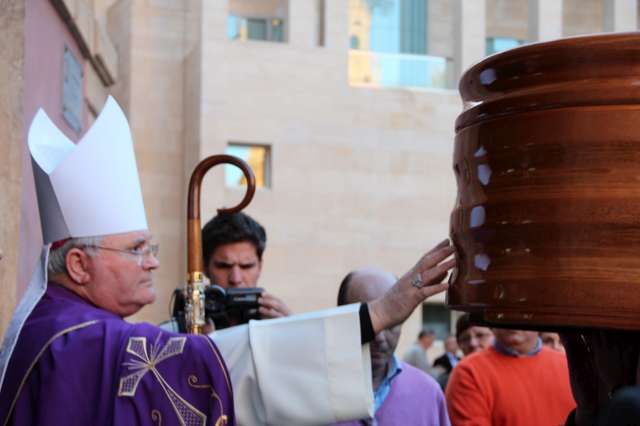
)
(232, 228)
(463, 323)
(344, 287)
(424, 333)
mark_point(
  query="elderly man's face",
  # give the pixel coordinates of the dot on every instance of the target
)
(121, 282)
(234, 265)
(475, 339)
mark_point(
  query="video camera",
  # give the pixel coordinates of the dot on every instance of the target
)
(225, 308)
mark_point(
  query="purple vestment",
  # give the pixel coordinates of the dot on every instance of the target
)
(75, 364)
(415, 399)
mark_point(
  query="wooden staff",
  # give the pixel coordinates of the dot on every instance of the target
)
(194, 307)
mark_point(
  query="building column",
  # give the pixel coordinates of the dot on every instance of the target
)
(337, 25)
(214, 18)
(620, 15)
(302, 23)
(545, 20)
(470, 34)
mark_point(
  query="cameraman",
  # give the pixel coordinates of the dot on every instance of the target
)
(232, 246)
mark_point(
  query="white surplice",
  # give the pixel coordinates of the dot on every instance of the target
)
(308, 369)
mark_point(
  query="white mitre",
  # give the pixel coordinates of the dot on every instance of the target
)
(86, 189)
(91, 188)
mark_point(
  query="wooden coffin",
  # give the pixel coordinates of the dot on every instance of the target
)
(547, 162)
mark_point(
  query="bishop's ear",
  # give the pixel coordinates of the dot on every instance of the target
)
(77, 262)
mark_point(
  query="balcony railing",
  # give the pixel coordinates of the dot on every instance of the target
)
(376, 69)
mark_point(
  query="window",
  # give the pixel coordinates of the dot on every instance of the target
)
(437, 318)
(499, 44)
(259, 159)
(354, 42)
(264, 29)
(389, 26)
(388, 40)
(257, 20)
(72, 99)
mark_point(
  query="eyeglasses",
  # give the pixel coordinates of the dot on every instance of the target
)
(140, 253)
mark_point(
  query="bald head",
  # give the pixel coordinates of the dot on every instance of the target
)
(365, 285)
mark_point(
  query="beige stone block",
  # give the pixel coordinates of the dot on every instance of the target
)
(582, 17)
(83, 19)
(104, 51)
(303, 23)
(470, 33)
(337, 27)
(507, 18)
(545, 20)
(441, 28)
(214, 20)
(95, 91)
(620, 15)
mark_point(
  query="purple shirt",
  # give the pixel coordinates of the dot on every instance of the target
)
(76, 364)
(415, 399)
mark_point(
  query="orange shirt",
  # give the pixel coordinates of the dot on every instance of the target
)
(493, 389)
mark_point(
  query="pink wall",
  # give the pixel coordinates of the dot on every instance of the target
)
(45, 39)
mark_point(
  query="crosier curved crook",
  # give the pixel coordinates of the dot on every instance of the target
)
(194, 308)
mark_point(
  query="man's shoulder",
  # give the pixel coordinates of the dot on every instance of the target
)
(111, 331)
(152, 334)
(483, 357)
(483, 364)
(553, 357)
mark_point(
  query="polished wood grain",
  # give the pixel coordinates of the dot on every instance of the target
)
(194, 290)
(547, 162)
(194, 236)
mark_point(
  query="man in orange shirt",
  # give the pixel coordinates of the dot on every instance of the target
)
(516, 382)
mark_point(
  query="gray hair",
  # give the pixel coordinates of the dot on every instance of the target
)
(57, 258)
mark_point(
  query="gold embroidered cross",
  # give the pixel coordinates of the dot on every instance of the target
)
(187, 414)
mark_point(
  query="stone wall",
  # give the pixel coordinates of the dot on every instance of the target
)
(12, 32)
(359, 176)
(151, 38)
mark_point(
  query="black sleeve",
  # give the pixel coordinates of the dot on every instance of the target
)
(439, 362)
(366, 328)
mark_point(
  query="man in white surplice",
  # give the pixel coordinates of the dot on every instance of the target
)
(312, 369)
(301, 370)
